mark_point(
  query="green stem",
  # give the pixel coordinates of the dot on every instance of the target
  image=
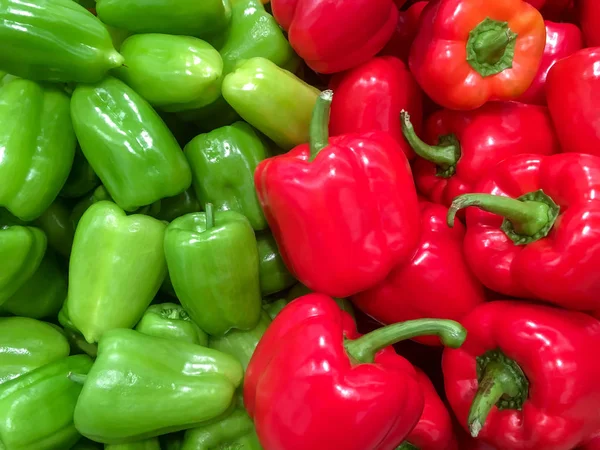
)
(363, 350)
(319, 124)
(407, 446)
(491, 47)
(210, 216)
(78, 378)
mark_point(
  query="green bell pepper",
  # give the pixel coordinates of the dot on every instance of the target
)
(173, 73)
(213, 264)
(54, 40)
(173, 207)
(241, 344)
(42, 295)
(273, 308)
(273, 100)
(274, 275)
(171, 321)
(171, 441)
(201, 19)
(82, 178)
(116, 267)
(216, 115)
(223, 163)
(146, 444)
(26, 344)
(38, 146)
(79, 346)
(36, 409)
(56, 223)
(86, 444)
(127, 144)
(21, 252)
(143, 386)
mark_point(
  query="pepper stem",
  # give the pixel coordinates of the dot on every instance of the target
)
(406, 446)
(363, 350)
(78, 378)
(210, 216)
(319, 124)
(491, 47)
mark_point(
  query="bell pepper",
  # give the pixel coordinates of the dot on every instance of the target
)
(146, 444)
(78, 344)
(171, 321)
(241, 344)
(562, 40)
(127, 144)
(223, 163)
(21, 251)
(43, 294)
(273, 274)
(406, 30)
(324, 243)
(334, 36)
(371, 97)
(82, 178)
(435, 283)
(300, 290)
(589, 18)
(311, 355)
(536, 236)
(110, 250)
(203, 19)
(38, 146)
(466, 144)
(524, 379)
(273, 308)
(570, 91)
(97, 195)
(56, 223)
(45, 398)
(272, 100)
(213, 264)
(142, 386)
(467, 52)
(173, 207)
(173, 73)
(26, 345)
(86, 444)
(55, 40)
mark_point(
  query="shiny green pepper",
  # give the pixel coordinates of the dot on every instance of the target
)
(127, 144)
(146, 444)
(274, 275)
(171, 321)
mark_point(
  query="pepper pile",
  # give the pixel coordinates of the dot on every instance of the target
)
(299, 225)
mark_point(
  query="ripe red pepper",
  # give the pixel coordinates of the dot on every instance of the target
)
(371, 97)
(332, 36)
(435, 283)
(311, 367)
(589, 17)
(470, 51)
(406, 30)
(562, 40)
(552, 9)
(344, 211)
(538, 236)
(573, 93)
(465, 144)
(526, 378)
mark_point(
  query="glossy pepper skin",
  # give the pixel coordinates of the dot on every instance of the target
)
(213, 265)
(470, 51)
(171, 321)
(371, 97)
(328, 48)
(50, 386)
(82, 178)
(38, 145)
(324, 244)
(589, 18)
(435, 283)
(173, 385)
(572, 92)
(27, 344)
(272, 100)
(562, 40)
(464, 145)
(55, 40)
(127, 144)
(538, 240)
(312, 355)
(223, 164)
(406, 30)
(273, 274)
(524, 379)
(110, 250)
(173, 73)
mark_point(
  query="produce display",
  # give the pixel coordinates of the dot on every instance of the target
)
(299, 224)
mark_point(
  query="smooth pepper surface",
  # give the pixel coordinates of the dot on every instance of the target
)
(171, 321)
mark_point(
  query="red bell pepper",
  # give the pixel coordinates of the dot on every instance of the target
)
(552, 9)
(436, 282)
(573, 94)
(593, 444)
(526, 377)
(313, 383)
(344, 211)
(406, 30)
(589, 17)
(470, 51)
(371, 97)
(538, 236)
(332, 36)
(562, 40)
(465, 144)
